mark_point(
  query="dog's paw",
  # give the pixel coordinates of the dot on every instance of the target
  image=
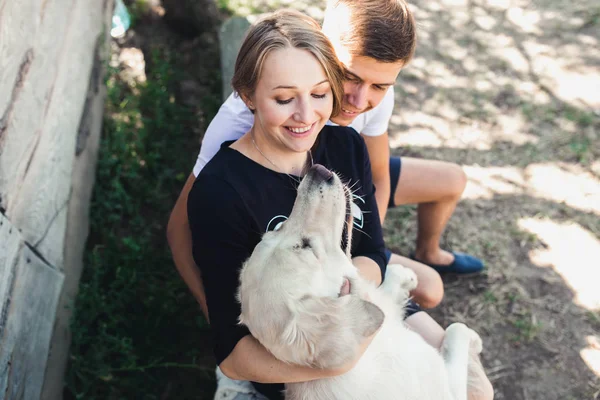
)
(404, 277)
(460, 330)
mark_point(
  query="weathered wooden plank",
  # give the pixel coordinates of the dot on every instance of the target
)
(31, 94)
(10, 243)
(18, 25)
(45, 189)
(26, 338)
(52, 243)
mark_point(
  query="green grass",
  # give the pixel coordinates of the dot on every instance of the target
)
(137, 331)
(490, 297)
(224, 6)
(594, 318)
(137, 9)
(527, 329)
(579, 144)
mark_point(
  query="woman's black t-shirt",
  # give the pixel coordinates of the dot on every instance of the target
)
(235, 200)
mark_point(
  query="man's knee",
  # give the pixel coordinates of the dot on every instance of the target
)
(458, 179)
(430, 291)
(431, 299)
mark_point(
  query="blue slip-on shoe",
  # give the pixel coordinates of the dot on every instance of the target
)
(463, 264)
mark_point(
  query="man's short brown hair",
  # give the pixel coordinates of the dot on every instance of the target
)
(384, 30)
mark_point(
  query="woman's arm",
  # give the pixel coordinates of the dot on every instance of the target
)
(370, 251)
(251, 361)
(368, 269)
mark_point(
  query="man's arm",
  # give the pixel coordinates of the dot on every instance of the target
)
(379, 153)
(369, 255)
(180, 242)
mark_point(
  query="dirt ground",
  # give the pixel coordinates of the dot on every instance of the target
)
(510, 89)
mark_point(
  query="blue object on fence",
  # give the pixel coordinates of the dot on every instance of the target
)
(121, 20)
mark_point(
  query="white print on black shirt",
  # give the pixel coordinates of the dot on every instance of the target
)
(357, 212)
(277, 221)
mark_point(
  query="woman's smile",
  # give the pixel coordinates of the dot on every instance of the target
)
(301, 131)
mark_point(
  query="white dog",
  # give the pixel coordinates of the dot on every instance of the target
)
(303, 299)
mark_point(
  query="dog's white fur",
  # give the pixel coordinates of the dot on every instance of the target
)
(290, 297)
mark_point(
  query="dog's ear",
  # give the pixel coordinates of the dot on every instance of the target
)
(327, 332)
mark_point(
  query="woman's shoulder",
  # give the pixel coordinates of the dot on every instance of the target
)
(225, 165)
(341, 139)
(217, 178)
(214, 200)
(229, 177)
(341, 133)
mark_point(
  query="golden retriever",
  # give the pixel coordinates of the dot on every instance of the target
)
(303, 299)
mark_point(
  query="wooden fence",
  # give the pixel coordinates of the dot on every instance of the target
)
(51, 100)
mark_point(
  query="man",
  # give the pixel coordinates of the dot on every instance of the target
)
(373, 50)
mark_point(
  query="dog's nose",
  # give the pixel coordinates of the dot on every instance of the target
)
(322, 172)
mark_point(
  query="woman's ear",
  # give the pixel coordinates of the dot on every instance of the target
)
(246, 99)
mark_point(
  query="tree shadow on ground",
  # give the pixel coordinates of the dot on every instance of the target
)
(486, 74)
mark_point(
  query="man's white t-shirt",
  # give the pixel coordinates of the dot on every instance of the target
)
(234, 119)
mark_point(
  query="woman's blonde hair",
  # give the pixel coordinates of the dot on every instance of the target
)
(279, 30)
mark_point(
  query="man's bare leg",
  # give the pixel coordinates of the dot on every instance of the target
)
(436, 187)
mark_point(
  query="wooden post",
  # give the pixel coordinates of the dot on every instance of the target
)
(231, 35)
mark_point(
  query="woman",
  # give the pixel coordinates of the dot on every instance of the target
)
(289, 77)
